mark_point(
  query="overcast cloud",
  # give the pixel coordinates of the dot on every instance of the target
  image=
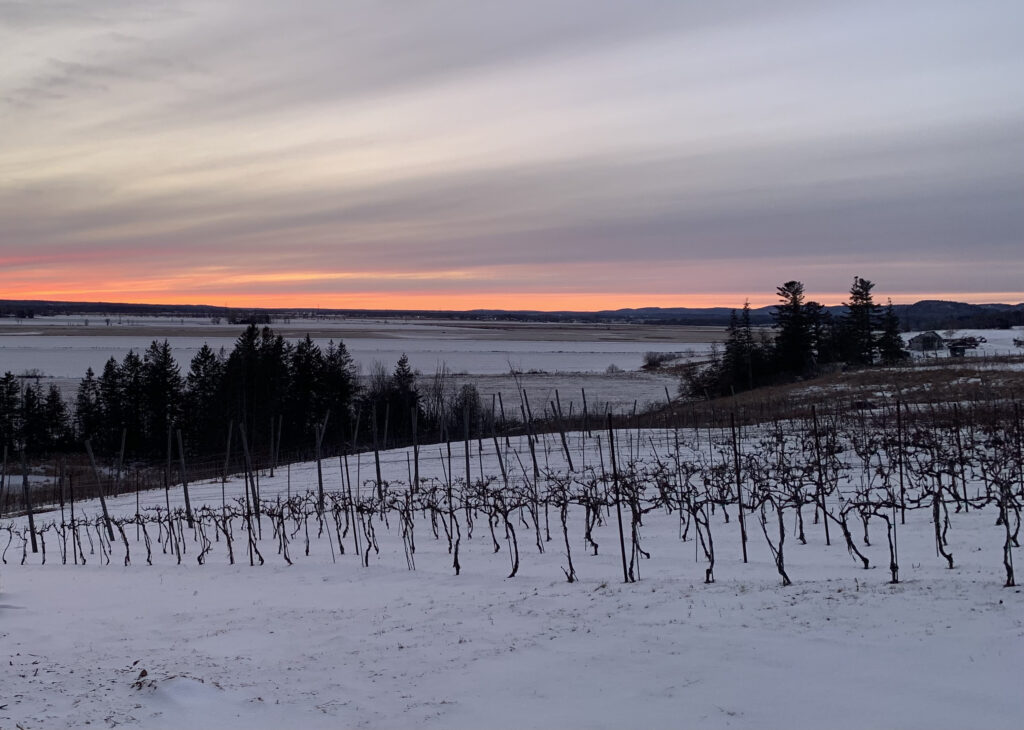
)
(196, 151)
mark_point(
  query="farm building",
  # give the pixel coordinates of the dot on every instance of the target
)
(926, 342)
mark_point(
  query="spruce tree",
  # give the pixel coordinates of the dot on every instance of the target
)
(794, 343)
(132, 407)
(88, 410)
(403, 398)
(34, 433)
(859, 324)
(162, 399)
(10, 410)
(306, 367)
(58, 419)
(339, 387)
(824, 334)
(205, 415)
(891, 349)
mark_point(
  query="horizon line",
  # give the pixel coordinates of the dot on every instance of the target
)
(615, 303)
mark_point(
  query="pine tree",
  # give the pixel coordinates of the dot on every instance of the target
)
(240, 375)
(58, 419)
(88, 408)
(162, 399)
(10, 411)
(794, 343)
(339, 387)
(306, 367)
(132, 406)
(860, 323)
(738, 360)
(403, 398)
(204, 411)
(34, 433)
(891, 349)
(824, 334)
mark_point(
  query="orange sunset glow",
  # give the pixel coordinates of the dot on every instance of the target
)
(499, 162)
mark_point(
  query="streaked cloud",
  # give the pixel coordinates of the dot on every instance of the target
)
(256, 150)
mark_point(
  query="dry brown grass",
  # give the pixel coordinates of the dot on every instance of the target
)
(944, 381)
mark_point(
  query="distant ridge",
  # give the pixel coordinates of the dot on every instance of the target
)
(923, 315)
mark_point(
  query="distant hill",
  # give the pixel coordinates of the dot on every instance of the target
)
(932, 314)
(923, 315)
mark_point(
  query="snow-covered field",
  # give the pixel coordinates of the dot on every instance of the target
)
(548, 358)
(327, 642)
(64, 347)
(995, 342)
(70, 356)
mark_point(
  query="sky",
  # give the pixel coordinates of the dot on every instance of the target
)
(564, 154)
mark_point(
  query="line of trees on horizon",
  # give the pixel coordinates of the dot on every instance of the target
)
(806, 340)
(281, 394)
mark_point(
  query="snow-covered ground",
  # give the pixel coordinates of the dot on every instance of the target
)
(64, 347)
(68, 357)
(328, 643)
(996, 342)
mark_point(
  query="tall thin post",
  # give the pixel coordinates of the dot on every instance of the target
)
(224, 476)
(321, 429)
(3, 480)
(376, 452)
(99, 484)
(184, 481)
(465, 438)
(504, 423)
(28, 502)
(250, 483)
(821, 471)
(556, 406)
(120, 462)
(618, 500)
(271, 448)
(414, 415)
(739, 483)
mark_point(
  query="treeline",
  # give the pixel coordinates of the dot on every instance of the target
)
(281, 394)
(806, 339)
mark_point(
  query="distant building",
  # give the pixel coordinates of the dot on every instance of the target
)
(959, 348)
(926, 342)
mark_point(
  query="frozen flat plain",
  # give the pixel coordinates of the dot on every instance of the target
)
(329, 643)
(566, 358)
(996, 342)
(64, 348)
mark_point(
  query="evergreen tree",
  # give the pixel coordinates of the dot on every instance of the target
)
(112, 407)
(133, 408)
(240, 375)
(88, 408)
(273, 374)
(339, 387)
(860, 323)
(306, 406)
(404, 397)
(162, 399)
(57, 418)
(205, 414)
(891, 349)
(794, 343)
(824, 334)
(738, 362)
(257, 381)
(10, 411)
(34, 433)
(746, 361)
